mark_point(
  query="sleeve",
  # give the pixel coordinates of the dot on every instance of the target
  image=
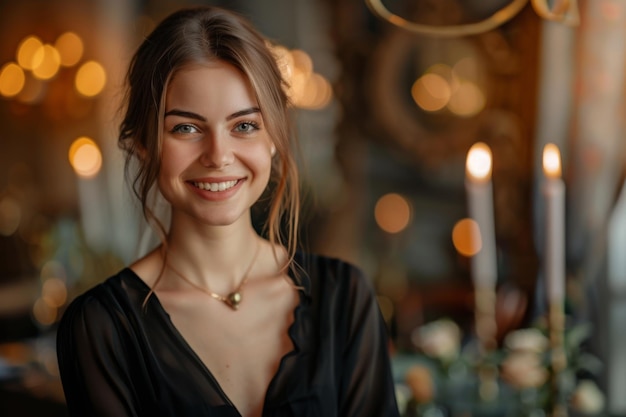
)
(367, 387)
(93, 363)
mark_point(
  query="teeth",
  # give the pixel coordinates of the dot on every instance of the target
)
(215, 186)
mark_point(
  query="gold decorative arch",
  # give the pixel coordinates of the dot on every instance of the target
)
(565, 11)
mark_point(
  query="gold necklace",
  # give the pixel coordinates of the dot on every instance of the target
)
(234, 298)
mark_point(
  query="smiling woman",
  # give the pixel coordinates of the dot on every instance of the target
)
(214, 144)
(219, 320)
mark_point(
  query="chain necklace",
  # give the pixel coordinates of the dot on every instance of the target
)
(234, 298)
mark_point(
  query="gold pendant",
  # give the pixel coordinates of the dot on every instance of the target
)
(233, 300)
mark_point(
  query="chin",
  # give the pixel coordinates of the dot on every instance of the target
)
(225, 220)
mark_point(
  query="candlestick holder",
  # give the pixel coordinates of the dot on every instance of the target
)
(558, 359)
(485, 323)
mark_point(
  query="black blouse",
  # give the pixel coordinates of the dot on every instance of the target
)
(118, 358)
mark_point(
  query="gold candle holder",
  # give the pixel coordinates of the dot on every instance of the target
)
(485, 322)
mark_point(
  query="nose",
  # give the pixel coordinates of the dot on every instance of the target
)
(216, 152)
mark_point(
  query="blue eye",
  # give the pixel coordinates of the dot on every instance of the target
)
(184, 128)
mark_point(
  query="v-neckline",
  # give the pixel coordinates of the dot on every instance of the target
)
(186, 347)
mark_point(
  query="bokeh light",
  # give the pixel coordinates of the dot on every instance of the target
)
(90, 79)
(12, 79)
(297, 87)
(70, 47)
(431, 92)
(466, 237)
(454, 88)
(49, 62)
(85, 157)
(307, 89)
(29, 53)
(468, 100)
(43, 313)
(392, 213)
(54, 292)
(302, 62)
(284, 60)
(316, 93)
(300, 73)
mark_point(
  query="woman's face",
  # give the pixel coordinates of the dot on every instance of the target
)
(216, 156)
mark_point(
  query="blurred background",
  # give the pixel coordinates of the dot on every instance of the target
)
(387, 109)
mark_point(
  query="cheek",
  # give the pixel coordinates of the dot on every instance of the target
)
(264, 161)
(174, 159)
(173, 163)
(164, 181)
(168, 165)
(267, 172)
(166, 172)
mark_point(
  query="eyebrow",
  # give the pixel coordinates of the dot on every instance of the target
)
(187, 114)
(244, 112)
(196, 116)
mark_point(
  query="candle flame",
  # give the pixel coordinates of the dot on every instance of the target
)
(551, 161)
(478, 162)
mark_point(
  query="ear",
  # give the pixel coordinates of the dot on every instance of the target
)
(273, 150)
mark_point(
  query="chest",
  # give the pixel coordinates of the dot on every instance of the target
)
(241, 349)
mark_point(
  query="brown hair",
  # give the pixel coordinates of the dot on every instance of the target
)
(199, 35)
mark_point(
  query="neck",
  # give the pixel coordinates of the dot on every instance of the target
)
(216, 257)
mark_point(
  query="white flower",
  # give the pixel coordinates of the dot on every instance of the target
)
(523, 369)
(526, 340)
(439, 339)
(587, 398)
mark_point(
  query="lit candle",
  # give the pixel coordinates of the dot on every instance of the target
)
(554, 193)
(483, 265)
(86, 160)
(480, 206)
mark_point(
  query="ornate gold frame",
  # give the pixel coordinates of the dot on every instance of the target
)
(565, 11)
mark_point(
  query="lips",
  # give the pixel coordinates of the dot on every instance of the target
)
(214, 186)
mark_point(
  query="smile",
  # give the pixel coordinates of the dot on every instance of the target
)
(215, 186)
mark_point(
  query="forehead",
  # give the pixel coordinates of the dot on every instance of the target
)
(210, 86)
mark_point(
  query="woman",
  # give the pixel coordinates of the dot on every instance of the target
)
(219, 321)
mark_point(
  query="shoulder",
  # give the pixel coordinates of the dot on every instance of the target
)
(97, 338)
(101, 303)
(326, 274)
(326, 267)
